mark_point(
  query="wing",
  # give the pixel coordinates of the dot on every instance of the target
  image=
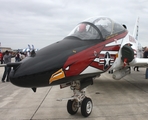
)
(14, 65)
(3, 65)
(141, 62)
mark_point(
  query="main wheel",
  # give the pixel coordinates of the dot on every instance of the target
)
(86, 107)
(72, 107)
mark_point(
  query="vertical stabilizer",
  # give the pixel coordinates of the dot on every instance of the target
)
(136, 28)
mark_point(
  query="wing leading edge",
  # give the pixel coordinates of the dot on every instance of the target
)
(141, 62)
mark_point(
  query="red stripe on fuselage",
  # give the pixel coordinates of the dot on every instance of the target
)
(112, 48)
(80, 61)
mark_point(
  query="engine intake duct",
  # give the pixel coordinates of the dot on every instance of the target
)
(127, 53)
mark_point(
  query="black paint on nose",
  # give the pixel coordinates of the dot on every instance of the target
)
(33, 80)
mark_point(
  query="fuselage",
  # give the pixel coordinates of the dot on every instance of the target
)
(78, 56)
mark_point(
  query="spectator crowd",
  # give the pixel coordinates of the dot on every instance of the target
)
(5, 58)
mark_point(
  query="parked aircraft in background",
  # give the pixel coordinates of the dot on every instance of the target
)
(94, 46)
(29, 49)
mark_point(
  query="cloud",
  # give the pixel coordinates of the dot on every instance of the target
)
(42, 22)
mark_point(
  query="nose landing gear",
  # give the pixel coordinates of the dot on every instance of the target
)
(79, 100)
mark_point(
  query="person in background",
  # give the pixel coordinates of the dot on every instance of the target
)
(28, 53)
(1, 57)
(136, 67)
(22, 56)
(17, 57)
(7, 59)
(145, 55)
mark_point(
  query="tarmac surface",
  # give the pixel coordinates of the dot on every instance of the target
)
(126, 99)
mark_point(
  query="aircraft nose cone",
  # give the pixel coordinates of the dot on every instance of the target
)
(32, 80)
(36, 71)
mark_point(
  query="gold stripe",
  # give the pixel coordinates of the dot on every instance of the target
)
(57, 75)
(116, 55)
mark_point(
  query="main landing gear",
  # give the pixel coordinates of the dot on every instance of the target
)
(79, 100)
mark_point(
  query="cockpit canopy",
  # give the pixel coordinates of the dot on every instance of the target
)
(96, 28)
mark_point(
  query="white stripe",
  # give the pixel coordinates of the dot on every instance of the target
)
(116, 42)
(97, 60)
(90, 69)
(110, 52)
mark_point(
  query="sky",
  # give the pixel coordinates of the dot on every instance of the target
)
(43, 22)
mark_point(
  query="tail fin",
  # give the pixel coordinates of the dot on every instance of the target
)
(136, 28)
(29, 47)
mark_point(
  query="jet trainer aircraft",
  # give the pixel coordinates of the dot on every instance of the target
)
(94, 46)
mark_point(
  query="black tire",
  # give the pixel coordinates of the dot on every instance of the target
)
(72, 107)
(86, 107)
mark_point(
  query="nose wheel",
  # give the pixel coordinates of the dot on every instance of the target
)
(72, 106)
(86, 106)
